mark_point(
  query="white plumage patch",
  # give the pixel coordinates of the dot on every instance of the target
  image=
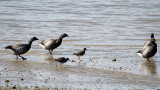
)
(139, 54)
(41, 45)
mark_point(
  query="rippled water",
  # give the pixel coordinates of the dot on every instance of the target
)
(108, 29)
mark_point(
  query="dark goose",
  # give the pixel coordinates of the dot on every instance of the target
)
(149, 49)
(21, 48)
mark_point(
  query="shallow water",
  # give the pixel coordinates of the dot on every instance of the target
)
(108, 29)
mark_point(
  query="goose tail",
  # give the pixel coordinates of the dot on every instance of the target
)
(139, 53)
(74, 53)
(41, 45)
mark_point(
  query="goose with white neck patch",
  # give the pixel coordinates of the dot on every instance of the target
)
(51, 44)
(149, 49)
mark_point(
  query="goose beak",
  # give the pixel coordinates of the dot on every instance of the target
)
(37, 39)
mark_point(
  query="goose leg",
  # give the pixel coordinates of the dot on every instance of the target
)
(50, 51)
(17, 57)
(23, 57)
(61, 65)
(148, 59)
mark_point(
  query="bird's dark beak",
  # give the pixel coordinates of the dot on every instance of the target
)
(37, 39)
(67, 36)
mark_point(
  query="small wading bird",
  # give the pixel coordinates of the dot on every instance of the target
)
(51, 44)
(21, 48)
(149, 49)
(80, 53)
(61, 60)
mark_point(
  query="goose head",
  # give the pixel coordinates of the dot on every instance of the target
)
(152, 37)
(64, 35)
(34, 38)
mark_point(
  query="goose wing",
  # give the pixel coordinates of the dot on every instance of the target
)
(21, 48)
(150, 50)
(146, 44)
(48, 43)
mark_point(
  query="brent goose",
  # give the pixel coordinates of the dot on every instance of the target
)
(61, 60)
(21, 48)
(149, 49)
(50, 44)
(152, 38)
(80, 53)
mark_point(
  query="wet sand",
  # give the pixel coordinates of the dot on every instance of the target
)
(23, 74)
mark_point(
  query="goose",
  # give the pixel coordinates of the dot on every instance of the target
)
(61, 60)
(80, 53)
(51, 44)
(149, 49)
(20, 49)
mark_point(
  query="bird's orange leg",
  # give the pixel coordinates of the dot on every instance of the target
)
(79, 58)
(56, 64)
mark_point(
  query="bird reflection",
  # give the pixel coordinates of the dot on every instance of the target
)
(48, 57)
(148, 67)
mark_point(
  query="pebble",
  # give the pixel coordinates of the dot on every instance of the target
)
(114, 60)
(6, 81)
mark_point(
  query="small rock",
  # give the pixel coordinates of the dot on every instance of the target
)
(73, 61)
(6, 81)
(114, 60)
(46, 80)
(91, 60)
(120, 68)
(36, 88)
(14, 87)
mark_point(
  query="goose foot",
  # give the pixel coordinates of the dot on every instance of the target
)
(24, 58)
